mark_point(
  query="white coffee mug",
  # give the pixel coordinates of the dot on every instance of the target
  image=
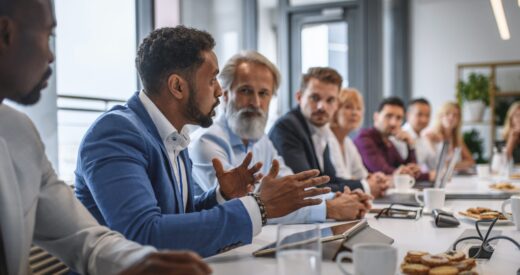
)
(483, 170)
(433, 198)
(370, 258)
(403, 183)
(515, 209)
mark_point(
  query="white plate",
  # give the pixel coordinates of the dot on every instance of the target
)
(499, 222)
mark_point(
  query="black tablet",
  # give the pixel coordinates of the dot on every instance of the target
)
(328, 234)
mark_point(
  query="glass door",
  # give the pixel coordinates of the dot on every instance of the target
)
(319, 38)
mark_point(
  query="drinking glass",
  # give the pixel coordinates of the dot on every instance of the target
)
(298, 249)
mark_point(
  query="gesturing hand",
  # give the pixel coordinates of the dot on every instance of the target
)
(238, 181)
(172, 263)
(282, 196)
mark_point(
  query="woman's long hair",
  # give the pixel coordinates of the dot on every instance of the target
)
(507, 124)
(456, 135)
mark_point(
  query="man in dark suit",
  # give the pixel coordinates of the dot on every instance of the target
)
(301, 136)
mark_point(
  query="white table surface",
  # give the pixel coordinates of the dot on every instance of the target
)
(418, 234)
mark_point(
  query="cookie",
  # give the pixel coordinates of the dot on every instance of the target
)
(414, 269)
(434, 260)
(454, 256)
(444, 270)
(414, 256)
(470, 262)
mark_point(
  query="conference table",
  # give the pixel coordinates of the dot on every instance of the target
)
(420, 234)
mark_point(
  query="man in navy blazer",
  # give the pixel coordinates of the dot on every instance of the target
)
(134, 173)
(301, 136)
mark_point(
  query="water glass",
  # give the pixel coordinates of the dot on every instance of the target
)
(298, 249)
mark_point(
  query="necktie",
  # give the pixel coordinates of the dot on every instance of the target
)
(328, 167)
(3, 261)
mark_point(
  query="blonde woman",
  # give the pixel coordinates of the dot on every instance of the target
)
(344, 153)
(447, 128)
(511, 132)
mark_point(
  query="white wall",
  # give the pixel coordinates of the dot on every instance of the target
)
(445, 33)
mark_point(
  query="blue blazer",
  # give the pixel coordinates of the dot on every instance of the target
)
(125, 180)
(292, 139)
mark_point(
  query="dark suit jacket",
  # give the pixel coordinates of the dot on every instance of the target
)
(125, 180)
(292, 138)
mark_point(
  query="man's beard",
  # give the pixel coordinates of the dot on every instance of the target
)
(247, 123)
(194, 113)
(34, 95)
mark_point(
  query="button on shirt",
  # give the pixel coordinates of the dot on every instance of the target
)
(175, 142)
(424, 151)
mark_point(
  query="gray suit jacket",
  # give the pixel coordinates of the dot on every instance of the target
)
(37, 207)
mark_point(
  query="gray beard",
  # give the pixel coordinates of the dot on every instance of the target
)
(244, 126)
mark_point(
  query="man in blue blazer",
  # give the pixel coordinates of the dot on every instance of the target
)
(134, 173)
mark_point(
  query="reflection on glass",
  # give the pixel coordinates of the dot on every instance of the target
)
(325, 45)
(508, 79)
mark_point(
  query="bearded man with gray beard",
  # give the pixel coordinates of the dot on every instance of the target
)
(249, 81)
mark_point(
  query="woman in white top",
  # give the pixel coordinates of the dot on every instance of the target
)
(447, 128)
(344, 153)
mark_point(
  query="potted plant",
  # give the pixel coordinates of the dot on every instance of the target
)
(473, 96)
(474, 143)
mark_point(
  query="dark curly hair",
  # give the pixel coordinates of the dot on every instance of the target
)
(171, 50)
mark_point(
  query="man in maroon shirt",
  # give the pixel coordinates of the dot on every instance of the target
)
(378, 152)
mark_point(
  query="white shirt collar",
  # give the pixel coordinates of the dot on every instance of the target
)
(169, 135)
(318, 131)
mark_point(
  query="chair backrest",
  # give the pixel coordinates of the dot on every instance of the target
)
(43, 263)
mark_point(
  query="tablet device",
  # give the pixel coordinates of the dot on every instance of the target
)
(328, 234)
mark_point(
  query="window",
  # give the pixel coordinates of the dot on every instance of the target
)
(95, 50)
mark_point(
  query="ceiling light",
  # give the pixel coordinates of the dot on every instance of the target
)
(500, 17)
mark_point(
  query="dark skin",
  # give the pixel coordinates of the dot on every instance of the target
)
(25, 57)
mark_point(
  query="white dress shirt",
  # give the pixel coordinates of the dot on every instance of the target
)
(323, 136)
(218, 141)
(348, 162)
(175, 142)
(319, 136)
(425, 152)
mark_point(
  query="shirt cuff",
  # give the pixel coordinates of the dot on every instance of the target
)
(366, 186)
(254, 213)
(318, 213)
(218, 195)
